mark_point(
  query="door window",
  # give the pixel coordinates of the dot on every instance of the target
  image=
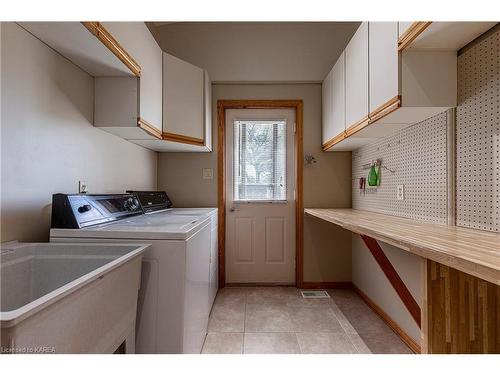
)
(259, 160)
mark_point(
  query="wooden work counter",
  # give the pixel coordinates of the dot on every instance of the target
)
(471, 251)
(460, 307)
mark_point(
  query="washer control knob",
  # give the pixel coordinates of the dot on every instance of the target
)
(84, 208)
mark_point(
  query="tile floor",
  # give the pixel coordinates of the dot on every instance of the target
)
(277, 320)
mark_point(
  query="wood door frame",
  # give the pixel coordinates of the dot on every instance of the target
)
(222, 106)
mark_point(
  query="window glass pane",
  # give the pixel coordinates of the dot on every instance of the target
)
(259, 160)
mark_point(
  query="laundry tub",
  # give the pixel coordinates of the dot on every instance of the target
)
(69, 298)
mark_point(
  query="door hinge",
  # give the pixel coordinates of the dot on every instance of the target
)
(295, 127)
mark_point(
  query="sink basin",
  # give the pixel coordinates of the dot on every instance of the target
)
(68, 298)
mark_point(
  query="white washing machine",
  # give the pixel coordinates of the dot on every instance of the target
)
(158, 203)
(172, 314)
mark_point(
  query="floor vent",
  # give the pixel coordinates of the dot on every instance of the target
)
(314, 294)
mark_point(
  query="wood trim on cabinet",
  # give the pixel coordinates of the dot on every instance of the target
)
(393, 277)
(379, 113)
(179, 138)
(411, 34)
(407, 339)
(222, 106)
(330, 143)
(385, 109)
(112, 44)
(357, 126)
(149, 128)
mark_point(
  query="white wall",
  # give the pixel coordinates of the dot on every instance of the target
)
(367, 276)
(48, 141)
(327, 248)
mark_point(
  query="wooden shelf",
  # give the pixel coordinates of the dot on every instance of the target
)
(471, 251)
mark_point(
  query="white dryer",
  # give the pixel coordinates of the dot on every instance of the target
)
(172, 314)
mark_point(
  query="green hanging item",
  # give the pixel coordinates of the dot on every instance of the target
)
(372, 176)
(378, 173)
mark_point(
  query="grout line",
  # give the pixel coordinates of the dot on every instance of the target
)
(298, 343)
(346, 321)
(204, 341)
(244, 322)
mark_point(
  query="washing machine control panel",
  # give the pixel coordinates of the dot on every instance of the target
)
(83, 210)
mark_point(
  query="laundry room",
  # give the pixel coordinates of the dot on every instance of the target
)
(175, 184)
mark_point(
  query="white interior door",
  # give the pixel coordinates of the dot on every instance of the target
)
(260, 196)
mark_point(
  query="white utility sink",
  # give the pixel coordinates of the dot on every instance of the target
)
(68, 298)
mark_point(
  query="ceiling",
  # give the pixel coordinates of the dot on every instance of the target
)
(257, 51)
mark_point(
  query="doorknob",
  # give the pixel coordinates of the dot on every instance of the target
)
(232, 209)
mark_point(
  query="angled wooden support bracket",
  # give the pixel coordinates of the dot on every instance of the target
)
(393, 277)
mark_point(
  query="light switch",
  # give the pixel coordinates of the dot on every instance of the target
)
(401, 192)
(208, 173)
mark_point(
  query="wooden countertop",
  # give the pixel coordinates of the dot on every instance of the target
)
(471, 251)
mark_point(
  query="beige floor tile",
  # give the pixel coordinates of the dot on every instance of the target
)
(227, 318)
(325, 343)
(314, 319)
(227, 296)
(359, 344)
(344, 322)
(270, 343)
(223, 343)
(385, 343)
(271, 295)
(269, 317)
(359, 314)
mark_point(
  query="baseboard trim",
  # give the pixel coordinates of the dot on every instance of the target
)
(305, 285)
(327, 285)
(236, 285)
(407, 339)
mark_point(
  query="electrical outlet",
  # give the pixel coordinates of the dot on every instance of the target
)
(82, 187)
(401, 192)
(208, 173)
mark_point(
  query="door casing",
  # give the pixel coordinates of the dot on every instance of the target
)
(222, 106)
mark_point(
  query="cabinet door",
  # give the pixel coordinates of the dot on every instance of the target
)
(208, 111)
(356, 77)
(326, 107)
(384, 63)
(338, 108)
(137, 40)
(183, 98)
(334, 101)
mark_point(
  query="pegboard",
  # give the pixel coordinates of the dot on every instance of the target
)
(417, 155)
(478, 135)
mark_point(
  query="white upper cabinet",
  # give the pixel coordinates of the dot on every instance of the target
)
(403, 27)
(132, 107)
(187, 109)
(333, 98)
(356, 78)
(137, 40)
(327, 132)
(383, 64)
(183, 99)
(88, 45)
